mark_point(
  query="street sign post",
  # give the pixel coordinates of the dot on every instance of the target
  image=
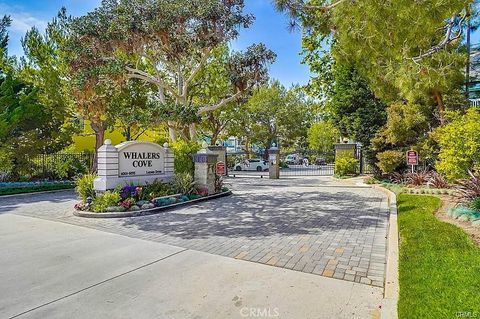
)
(412, 158)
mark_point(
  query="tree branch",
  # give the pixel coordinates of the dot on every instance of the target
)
(299, 5)
(201, 63)
(220, 104)
(450, 37)
(142, 75)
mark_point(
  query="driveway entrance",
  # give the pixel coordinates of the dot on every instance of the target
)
(313, 225)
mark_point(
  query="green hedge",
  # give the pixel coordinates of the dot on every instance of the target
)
(35, 188)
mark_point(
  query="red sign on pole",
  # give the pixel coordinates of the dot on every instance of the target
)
(220, 168)
(412, 157)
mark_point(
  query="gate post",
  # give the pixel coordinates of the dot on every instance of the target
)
(205, 169)
(273, 158)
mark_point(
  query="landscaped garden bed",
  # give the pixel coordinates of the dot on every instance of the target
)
(151, 198)
(12, 188)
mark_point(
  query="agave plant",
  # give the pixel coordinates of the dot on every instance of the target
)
(438, 181)
(468, 189)
(399, 178)
(418, 178)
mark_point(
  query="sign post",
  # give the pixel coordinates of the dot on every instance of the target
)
(412, 158)
(220, 169)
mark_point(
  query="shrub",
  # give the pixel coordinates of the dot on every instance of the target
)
(418, 178)
(475, 204)
(437, 180)
(183, 183)
(459, 143)
(218, 183)
(157, 189)
(345, 165)
(84, 186)
(184, 152)
(399, 178)
(107, 199)
(69, 167)
(390, 161)
(468, 189)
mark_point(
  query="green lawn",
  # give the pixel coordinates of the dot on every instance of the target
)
(439, 264)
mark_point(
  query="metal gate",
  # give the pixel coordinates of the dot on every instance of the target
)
(304, 163)
(308, 163)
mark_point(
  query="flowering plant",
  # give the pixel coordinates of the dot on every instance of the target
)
(131, 191)
(79, 206)
(127, 203)
(202, 191)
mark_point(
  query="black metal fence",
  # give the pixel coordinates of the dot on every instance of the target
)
(59, 166)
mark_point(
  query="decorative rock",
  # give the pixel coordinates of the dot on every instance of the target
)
(142, 202)
(134, 208)
(147, 206)
(113, 209)
(463, 218)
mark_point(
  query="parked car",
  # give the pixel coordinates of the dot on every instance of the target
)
(320, 161)
(254, 164)
(294, 159)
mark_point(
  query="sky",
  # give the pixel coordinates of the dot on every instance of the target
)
(270, 28)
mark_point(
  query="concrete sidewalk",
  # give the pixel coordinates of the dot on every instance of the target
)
(56, 270)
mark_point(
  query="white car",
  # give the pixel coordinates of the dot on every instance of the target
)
(254, 164)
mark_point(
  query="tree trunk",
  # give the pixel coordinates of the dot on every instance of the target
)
(192, 132)
(99, 139)
(213, 140)
(171, 131)
(440, 105)
(247, 149)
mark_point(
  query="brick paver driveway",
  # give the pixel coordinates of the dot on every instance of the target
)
(314, 225)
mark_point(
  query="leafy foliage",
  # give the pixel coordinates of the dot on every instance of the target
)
(157, 189)
(273, 114)
(345, 165)
(475, 204)
(183, 183)
(437, 180)
(84, 186)
(459, 143)
(105, 200)
(389, 161)
(468, 189)
(322, 136)
(165, 44)
(418, 178)
(184, 151)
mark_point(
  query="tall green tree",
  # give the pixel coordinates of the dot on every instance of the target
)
(274, 114)
(167, 44)
(32, 117)
(322, 136)
(407, 50)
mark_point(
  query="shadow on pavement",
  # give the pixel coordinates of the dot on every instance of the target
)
(260, 215)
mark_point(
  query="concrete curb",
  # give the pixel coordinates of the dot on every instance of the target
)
(151, 211)
(391, 292)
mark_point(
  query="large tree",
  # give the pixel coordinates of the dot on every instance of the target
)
(33, 116)
(166, 43)
(274, 114)
(407, 50)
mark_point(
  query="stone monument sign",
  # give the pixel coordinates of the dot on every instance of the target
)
(132, 163)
